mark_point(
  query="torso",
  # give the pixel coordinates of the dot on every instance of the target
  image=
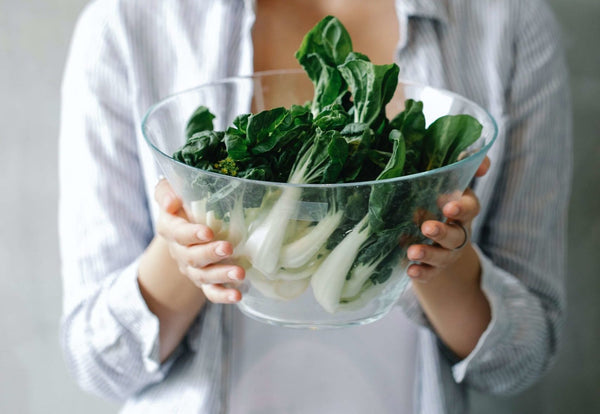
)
(281, 25)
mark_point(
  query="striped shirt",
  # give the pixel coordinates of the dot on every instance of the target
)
(505, 55)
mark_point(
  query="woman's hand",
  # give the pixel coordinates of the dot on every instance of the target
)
(449, 290)
(451, 238)
(192, 246)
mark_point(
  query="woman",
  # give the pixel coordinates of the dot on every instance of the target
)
(141, 321)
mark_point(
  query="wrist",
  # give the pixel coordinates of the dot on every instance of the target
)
(169, 295)
(454, 303)
(164, 287)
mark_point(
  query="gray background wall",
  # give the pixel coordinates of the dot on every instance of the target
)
(34, 38)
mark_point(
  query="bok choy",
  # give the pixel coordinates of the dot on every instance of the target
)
(358, 240)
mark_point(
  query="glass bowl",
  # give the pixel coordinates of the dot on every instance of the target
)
(311, 281)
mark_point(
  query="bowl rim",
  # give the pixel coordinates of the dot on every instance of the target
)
(484, 149)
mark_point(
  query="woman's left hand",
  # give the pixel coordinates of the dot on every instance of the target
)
(451, 241)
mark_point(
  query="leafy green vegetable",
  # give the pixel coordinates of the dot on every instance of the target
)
(447, 137)
(342, 136)
(372, 87)
(324, 48)
(202, 149)
(395, 164)
(201, 120)
(411, 123)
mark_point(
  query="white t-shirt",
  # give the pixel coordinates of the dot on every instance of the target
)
(354, 370)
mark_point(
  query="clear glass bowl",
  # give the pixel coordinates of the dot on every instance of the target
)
(277, 292)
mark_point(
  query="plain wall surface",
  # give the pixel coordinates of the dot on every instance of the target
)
(34, 39)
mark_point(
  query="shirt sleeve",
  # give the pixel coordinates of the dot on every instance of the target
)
(521, 242)
(109, 336)
(522, 248)
(522, 245)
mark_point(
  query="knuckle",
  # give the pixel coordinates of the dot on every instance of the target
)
(178, 253)
(161, 227)
(181, 232)
(191, 262)
(197, 260)
(173, 252)
(442, 232)
(183, 269)
(198, 277)
(212, 294)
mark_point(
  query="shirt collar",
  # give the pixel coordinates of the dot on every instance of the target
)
(431, 9)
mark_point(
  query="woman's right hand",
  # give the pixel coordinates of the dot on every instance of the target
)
(193, 248)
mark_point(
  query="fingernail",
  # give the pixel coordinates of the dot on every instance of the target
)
(432, 230)
(232, 274)
(413, 272)
(232, 298)
(167, 200)
(220, 251)
(417, 255)
(454, 210)
(202, 236)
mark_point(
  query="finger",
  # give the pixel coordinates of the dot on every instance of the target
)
(217, 273)
(421, 273)
(166, 197)
(201, 255)
(465, 209)
(181, 231)
(436, 256)
(447, 235)
(484, 167)
(221, 294)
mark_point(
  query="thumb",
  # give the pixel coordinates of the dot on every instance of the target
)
(166, 197)
(483, 168)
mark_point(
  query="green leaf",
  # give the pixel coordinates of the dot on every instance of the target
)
(201, 120)
(241, 123)
(384, 270)
(329, 85)
(379, 158)
(262, 128)
(236, 144)
(201, 148)
(360, 139)
(411, 121)
(395, 165)
(323, 48)
(372, 87)
(447, 137)
(321, 159)
(328, 39)
(332, 117)
(337, 150)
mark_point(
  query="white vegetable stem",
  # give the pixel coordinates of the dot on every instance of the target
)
(276, 289)
(299, 252)
(295, 274)
(237, 223)
(359, 275)
(198, 208)
(328, 281)
(264, 243)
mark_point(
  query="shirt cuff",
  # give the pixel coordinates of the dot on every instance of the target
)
(493, 281)
(127, 305)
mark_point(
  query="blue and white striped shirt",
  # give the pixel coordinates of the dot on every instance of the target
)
(505, 55)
